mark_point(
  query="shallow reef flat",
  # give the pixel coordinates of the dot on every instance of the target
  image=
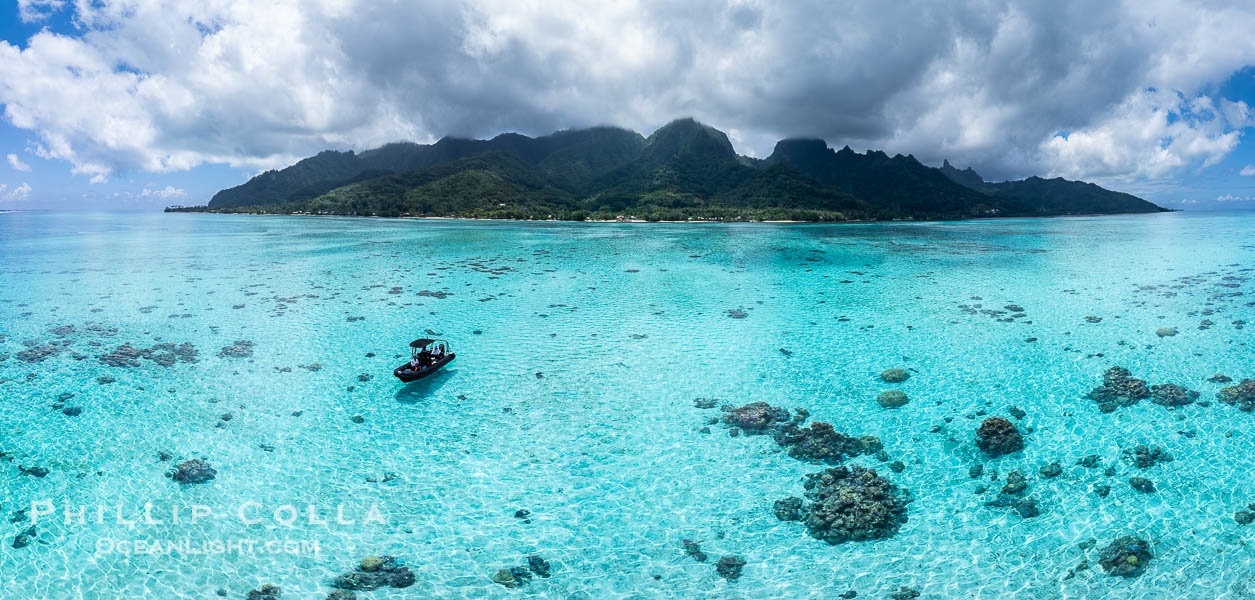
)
(1055, 408)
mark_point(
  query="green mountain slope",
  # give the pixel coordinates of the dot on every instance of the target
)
(683, 170)
(274, 187)
(895, 187)
(499, 185)
(1056, 196)
(484, 184)
(1059, 196)
(683, 158)
(577, 156)
(783, 186)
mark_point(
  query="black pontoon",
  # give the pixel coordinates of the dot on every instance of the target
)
(430, 356)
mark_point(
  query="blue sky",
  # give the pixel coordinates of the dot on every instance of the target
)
(138, 104)
(1218, 187)
(53, 186)
(51, 182)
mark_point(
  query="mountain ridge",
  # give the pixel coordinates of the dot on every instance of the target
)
(683, 170)
(1056, 195)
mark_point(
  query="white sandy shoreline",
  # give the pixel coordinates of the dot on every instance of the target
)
(699, 222)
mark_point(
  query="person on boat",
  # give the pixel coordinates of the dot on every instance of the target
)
(437, 354)
(415, 365)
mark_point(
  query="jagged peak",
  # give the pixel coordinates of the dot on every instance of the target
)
(967, 177)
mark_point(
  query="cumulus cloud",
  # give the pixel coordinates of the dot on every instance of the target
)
(167, 193)
(30, 11)
(17, 194)
(1247, 171)
(17, 163)
(1118, 90)
(1151, 135)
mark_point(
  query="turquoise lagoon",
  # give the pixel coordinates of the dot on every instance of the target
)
(581, 349)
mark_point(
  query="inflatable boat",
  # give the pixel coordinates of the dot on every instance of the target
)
(432, 355)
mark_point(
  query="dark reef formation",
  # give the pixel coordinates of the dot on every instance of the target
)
(1012, 495)
(729, 567)
(1119, 388)
(842, 504)
(756, 417)
(539, 566)
(997, 436)
(694, 550)
(789, 509)
(1144, 457)
(1245, 516)
(894, 375)
(1241, 395)
(192, 471)
(513, 577)
(819, 442)
(266, 592)
(164, 354)
(892, 399)
(374, 572)
(1171, 394)
(24, 538)
(848, 504)
(704, 403)
(39, 353)
(240, 349)
(904, 593)
(1142, 484)
(1126, 556)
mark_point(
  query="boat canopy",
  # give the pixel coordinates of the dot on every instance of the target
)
(422, 343)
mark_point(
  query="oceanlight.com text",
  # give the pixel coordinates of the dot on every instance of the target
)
(188, 547)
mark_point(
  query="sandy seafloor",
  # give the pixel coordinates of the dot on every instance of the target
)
(581, 349)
